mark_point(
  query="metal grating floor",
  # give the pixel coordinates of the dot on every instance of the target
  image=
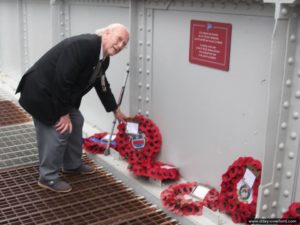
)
(12, 114)
(17, 145)
(95, 199)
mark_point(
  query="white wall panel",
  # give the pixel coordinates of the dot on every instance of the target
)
(210, 117)
(10, 51)
(39, 29)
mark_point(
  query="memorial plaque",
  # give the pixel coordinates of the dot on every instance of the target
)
(210, 44)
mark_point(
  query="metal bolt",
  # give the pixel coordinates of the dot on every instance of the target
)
(279, 166)
(293, 38)
(293, 135)
(281, 146)
(295, 115)
(286, 193)
(284, 125)
(291, 155)
(276, 185)
(286, 104)
(288, 174)
(266, 192)
(274, 204)
(297, 94)
(288, 83)
(265, 207)
(284, 11)
(290, 60)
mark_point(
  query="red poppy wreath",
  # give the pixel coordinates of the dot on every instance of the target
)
(142, 149)
(292, 214)
(174, 199)
(239, 189)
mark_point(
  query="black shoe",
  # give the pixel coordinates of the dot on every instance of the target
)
(55, 185)
(83, 169)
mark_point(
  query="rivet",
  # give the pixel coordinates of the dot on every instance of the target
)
(147, 99)
(148, 58)
(266, 192)
(281, 146)
(286, 104)
(276, 185)
(293, 135)
(291, 155)
(297, 94)
(148, 72)
(292, 37)
(141, 29)
(279, 166)
(148, 86)
(140, 56)
(62, 34)
(298, 73)
(290, 60)
(140, 84)
(288, 174)
(149, 30)
(147, 113)
(139, 111)
(284, 11)
(273, 215)
(295, 15)
(148, 44)
(295, 115)
(140, 43)
(140, 98)
(265, 207)
(288, 83)
(62, 24)
(140, 70)
(286, 193)
(274, 204)
(149, 14)
(284, 125)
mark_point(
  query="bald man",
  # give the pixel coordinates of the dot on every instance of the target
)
(51, 91)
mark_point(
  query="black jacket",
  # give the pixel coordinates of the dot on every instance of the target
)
(59, 79)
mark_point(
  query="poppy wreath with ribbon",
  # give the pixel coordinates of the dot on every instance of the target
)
(95, 144)
(173, 198)
(293, 213)
(236, 197)
(142, 160)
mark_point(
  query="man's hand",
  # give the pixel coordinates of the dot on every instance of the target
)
(64, 125)
(120, 116)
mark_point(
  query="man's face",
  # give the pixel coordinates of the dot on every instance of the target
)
(114, 41)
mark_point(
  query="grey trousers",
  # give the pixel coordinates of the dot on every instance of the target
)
(57, 150)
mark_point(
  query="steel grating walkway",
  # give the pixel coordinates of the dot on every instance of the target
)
(11, 114)
(95, 199)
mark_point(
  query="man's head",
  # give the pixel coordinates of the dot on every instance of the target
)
(114, 38)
